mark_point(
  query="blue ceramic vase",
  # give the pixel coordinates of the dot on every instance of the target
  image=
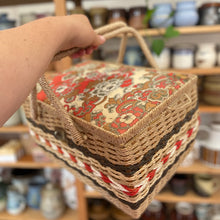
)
(186, 14)
(133, 56)
(161, 17)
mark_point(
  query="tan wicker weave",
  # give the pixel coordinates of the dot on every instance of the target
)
(127, 150)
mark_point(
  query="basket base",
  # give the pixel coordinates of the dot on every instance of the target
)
(168, 173)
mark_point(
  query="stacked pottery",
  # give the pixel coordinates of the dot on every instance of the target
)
(211, 90)
(186, 14)
(161, 17)
(205, 56)
(52, 203)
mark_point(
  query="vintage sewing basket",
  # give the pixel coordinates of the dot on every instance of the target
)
(121, 129)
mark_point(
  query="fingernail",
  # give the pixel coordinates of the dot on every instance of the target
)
(102, 38)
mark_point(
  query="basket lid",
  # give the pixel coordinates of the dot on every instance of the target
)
(113, 97)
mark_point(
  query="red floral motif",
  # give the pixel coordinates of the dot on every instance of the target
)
(114, 97)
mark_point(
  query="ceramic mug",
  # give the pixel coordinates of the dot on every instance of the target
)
(206, 55)
(16, 202)
(205, 185)
(163, 60)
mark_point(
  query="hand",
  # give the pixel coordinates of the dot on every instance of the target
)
(79, 33)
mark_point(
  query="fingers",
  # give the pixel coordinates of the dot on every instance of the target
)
(86, 51)
(99, 39)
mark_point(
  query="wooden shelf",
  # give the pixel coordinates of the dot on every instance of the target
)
(198, 167)
(198, 71)
(14, 129)
(28, 162)
(209, 109)
(183, 30)
(37, 215)
(168, 196)
(21, 2)
(191, 196)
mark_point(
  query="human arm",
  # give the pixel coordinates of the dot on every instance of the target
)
(27, 50)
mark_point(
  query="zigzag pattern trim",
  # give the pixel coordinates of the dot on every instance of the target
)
(119, 187)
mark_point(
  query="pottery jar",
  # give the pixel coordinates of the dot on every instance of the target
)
(163, 60)
(133, 56)
(162, 15)
(205, 185)
(211, 90)
(203, 211)
(210, 147)
(117, 14)
(98, 16)
(16, 202)
(179, 184)
(184, 211)
(205, 56)
(52, 203)
(183, 56)
(154, 211)
(5, 23)
(209, 13)
(136, 17)
(186, 14)
(34, 192)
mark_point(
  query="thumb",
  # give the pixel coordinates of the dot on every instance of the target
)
(99, 39)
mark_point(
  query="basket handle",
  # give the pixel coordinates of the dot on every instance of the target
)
(114, 30)
(108, 31)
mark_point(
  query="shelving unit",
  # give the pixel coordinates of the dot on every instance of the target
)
(37, 215)
(200, 29)
(27, 161)
(164, 196)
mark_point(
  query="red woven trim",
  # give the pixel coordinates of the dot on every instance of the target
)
(120, 187)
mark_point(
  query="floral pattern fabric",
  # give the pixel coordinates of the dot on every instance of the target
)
(114, 97)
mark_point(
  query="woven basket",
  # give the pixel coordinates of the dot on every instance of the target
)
(121, 129)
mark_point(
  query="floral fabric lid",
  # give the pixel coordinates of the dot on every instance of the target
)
(114, 97)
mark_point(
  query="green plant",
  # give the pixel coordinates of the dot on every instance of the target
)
(158, 44)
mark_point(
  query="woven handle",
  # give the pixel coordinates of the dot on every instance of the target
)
(108, 31)
(111, 31)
